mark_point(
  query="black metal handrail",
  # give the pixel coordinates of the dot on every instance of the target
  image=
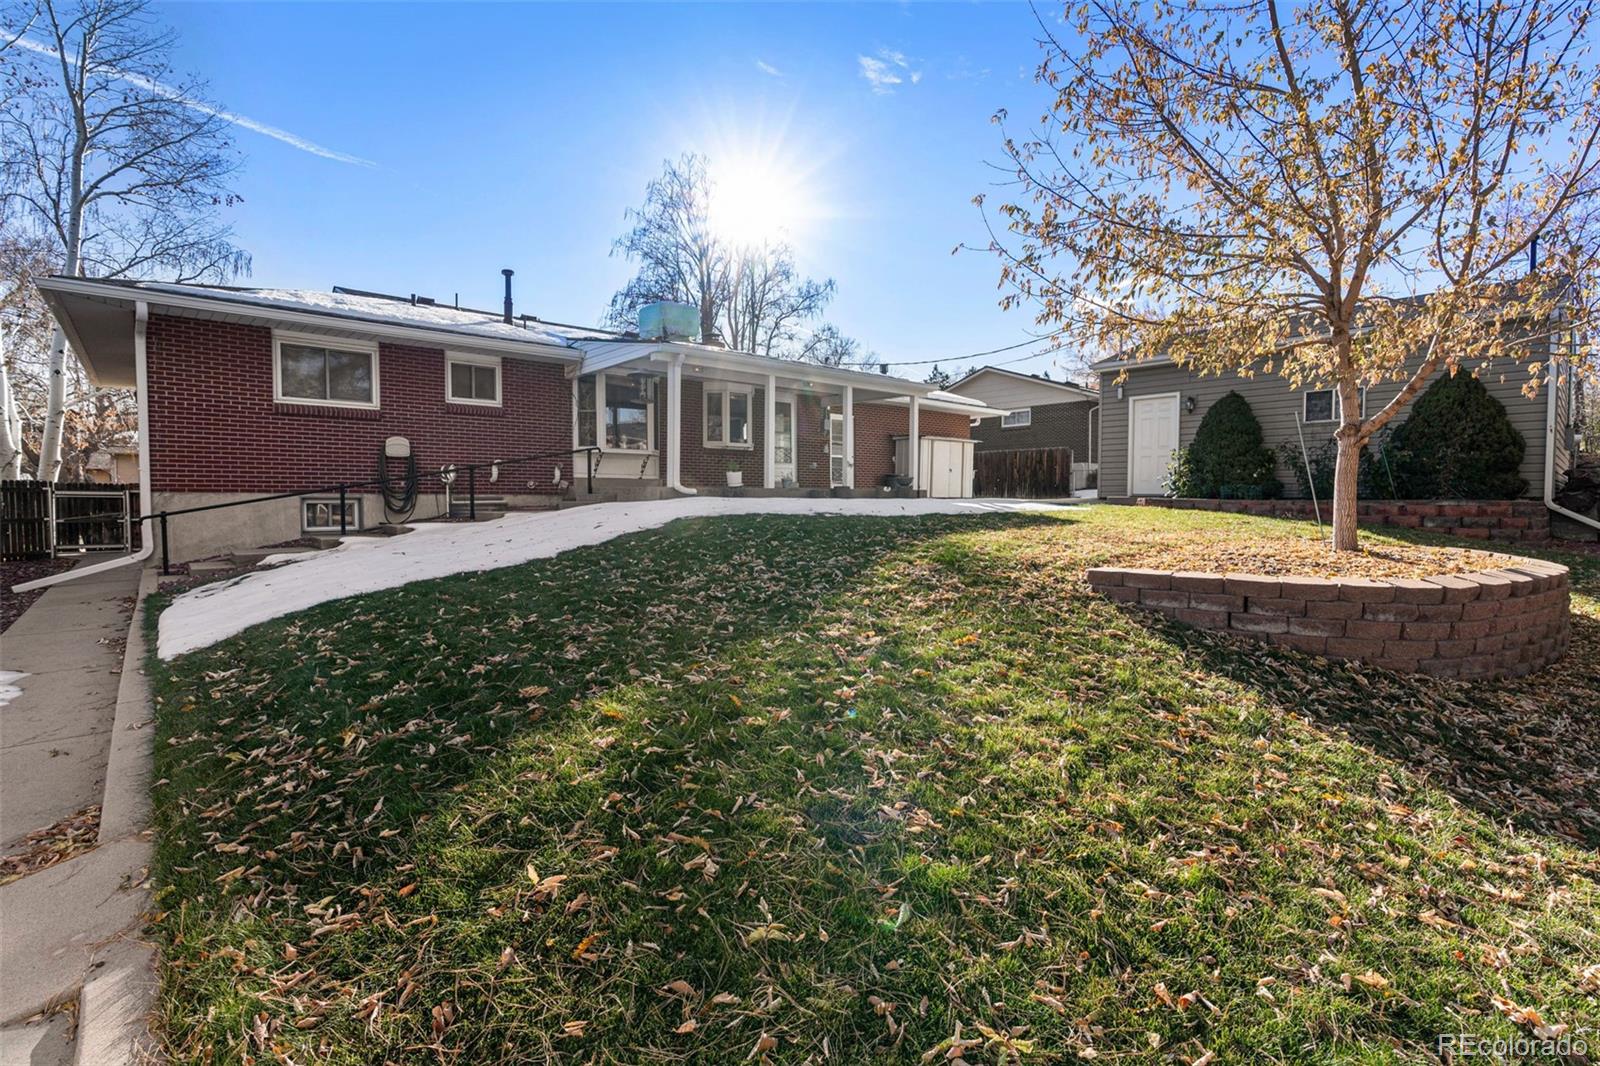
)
(454, 470)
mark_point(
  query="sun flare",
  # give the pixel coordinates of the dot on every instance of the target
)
(757, 201)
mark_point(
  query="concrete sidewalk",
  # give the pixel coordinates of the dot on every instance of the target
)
(55, 737)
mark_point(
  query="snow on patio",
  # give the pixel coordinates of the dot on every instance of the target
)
(205, 615)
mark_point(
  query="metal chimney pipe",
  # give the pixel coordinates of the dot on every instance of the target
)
(508, 272)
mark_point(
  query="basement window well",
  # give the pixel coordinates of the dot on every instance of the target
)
(322, 516)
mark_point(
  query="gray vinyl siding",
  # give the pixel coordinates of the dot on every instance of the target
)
(1275, 405)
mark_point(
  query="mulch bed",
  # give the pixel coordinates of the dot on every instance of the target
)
(1308, 557)
(12, 604)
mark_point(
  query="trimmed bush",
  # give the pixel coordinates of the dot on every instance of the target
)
(1227, 458)
(1373, 481)
(1458, 443)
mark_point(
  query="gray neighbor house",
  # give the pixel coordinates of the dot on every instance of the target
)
(1039, 413)
(1152, 407)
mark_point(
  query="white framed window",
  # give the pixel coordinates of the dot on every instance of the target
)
(1322, 405)
(588, 418)
(1017, 419)
(472, 379)
(323, 371)
(627, 422)
(322, 515)
(727, 416)
(615, 410)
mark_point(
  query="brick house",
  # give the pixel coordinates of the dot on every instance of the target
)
(250, 392)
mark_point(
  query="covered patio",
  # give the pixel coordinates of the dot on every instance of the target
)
(686, 415)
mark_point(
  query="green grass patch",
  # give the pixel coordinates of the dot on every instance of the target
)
(857, 790)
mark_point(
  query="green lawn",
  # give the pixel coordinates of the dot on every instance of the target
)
(851, 790)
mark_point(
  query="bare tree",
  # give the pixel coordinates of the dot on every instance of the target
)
(941, 378)
(828, 345)
(1342, 193)
(676, 247)
(112, 156)
(751, 296)
(768, 300)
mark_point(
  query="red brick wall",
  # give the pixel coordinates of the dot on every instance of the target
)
(708, 467)
(878, 424)
(214, 426)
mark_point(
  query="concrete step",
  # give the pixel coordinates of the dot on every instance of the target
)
(583, 499)
(255, 555)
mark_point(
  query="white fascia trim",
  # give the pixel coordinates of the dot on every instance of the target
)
(425, 336)
(971, 410)
(762, 365)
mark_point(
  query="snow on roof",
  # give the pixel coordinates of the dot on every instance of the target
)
(393, 310)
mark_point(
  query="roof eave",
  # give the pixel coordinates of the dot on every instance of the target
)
(440, 337)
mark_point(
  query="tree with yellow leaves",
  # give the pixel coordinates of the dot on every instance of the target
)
(1341, 193)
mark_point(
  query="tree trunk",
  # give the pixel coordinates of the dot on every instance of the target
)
(1346, 477)
(10, 424)
(55, 412)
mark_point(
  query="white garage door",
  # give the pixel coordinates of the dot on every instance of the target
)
(1154, 423)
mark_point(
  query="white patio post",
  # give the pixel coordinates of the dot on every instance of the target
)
(914, 445)
(849, 437)
(769, 446)
(674, 418)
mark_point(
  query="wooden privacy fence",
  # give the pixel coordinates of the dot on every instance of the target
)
(39, 519)
(1037, 472)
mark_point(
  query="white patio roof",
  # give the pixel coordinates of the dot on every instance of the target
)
(725, 364)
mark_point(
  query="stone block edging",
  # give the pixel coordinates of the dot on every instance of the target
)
(1486, 624)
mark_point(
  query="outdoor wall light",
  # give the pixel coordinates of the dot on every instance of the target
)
(1189, 404)
(1119, 392)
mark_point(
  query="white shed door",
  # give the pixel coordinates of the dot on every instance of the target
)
(1154, 421)
(949, 469)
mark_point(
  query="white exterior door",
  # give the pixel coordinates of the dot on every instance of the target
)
(836, 450)
(1153, 423)
(783, 468)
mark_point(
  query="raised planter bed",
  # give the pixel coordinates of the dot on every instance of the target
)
(1481, 624)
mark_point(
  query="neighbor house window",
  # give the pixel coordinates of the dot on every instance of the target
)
(472, 379)
(313, 371)
(1017, 419)
(727, 417)
(322, 516)
(1322, 405)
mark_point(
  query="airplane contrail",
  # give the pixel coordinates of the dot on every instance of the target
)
(293, 140)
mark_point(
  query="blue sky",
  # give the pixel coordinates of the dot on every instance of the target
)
(517, 135)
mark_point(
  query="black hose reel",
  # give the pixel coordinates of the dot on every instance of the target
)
(397, 479)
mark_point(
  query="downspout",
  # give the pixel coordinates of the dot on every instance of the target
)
(675, 426)
(1550, 457)
(141, 320)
